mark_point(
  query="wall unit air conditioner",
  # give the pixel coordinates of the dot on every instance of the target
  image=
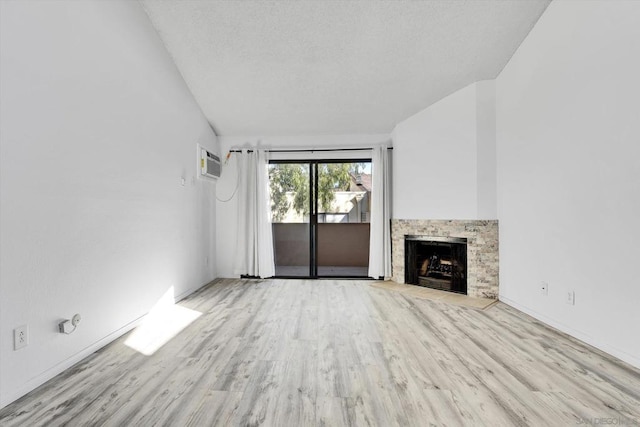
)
(209, 164)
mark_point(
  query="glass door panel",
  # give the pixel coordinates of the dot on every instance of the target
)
(343, 212)
(290, 214)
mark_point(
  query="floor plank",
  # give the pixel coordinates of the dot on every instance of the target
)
(340, 353)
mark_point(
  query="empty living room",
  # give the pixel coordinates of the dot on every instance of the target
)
(319, 213)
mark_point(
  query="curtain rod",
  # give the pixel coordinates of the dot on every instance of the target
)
(309, 150)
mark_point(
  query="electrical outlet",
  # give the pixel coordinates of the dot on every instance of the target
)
(20, 337)
(544, 288)
(571, 297)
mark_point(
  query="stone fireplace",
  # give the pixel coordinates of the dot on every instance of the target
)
(480, 237)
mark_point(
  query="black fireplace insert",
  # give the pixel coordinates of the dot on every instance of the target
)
(436, 262)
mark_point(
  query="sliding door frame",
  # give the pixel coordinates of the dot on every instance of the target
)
(313, 213)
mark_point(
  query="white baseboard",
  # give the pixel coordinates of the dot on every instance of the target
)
(586, 338)
(66, 364)
(69, 362)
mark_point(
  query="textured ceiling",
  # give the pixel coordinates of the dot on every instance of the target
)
(334, 67)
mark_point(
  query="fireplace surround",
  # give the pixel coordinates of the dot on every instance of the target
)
(482, 249)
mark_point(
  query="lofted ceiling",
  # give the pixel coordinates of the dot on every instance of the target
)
(266, 68)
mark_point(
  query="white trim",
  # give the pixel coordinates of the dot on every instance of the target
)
(45, 376)
(48, 374)
(586, 338)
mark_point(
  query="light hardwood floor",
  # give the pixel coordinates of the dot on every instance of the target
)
(330, 352)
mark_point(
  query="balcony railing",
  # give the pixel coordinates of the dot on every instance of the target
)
(343, 248)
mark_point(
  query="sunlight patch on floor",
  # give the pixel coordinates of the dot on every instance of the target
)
(164, 321)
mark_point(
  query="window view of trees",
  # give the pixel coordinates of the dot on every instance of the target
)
(286, 180)
(289, 187)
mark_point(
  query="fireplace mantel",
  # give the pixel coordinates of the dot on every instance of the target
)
(482, 249)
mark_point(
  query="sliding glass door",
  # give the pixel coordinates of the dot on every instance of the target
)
(344, 191)
(290, 189)
(320, 213)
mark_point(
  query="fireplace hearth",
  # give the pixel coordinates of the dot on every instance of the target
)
(436, 262)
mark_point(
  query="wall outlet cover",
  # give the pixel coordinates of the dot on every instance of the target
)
(544, 288)
(571, 297)
(20, 337)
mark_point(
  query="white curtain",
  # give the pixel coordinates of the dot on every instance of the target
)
(254, 250)
(380, 238)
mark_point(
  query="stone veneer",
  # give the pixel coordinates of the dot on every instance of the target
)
(482, 249)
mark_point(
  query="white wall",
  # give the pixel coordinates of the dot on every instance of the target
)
(227, 212)
(568, 145)
(486, 149)
(444, 160)
(98, 129)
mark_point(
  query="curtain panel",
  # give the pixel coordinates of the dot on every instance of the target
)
(254, 249)
(380, 238)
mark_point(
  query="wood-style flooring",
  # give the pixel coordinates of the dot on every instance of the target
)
(423, 292)
(340, 353)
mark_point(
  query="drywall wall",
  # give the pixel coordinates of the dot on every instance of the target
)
(568, 132)
(486, 149)
(98, 132)
(444, 158)
(227, 211)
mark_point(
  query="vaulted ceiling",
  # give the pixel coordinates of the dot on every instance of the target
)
(334, 67)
